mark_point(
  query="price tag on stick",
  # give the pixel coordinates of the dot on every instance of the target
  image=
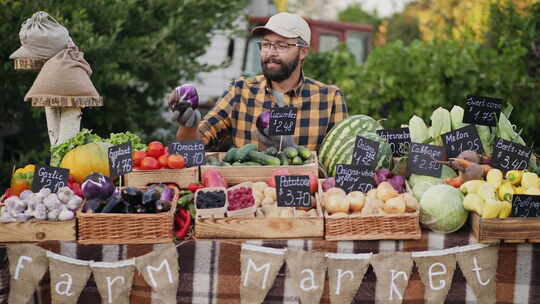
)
(462, 139)
(525, 205)
(120, 160)
(192, 151)
(365, 152)
(293, 191)
(399, 140)
(510, 156)
(353, 178)
(425, 160)
(282, 121)
(482, 110)
(53, 178)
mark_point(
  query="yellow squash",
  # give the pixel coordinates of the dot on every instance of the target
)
(87, 159)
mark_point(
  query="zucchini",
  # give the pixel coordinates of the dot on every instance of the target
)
(229, 156)
(264, 159)
(272, 151)
(242, 153)
(297, 160)
(304, 152)
(283, 158)
(291, 152)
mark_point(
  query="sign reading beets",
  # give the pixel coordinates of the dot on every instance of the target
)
(510, 156)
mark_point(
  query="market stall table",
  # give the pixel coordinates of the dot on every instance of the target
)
(210, 270)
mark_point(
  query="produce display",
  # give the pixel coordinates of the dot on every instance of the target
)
(240, 198)
(208, 199)
(249, 156)
(157, 157)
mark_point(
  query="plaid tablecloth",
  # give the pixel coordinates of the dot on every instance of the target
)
(210, 270)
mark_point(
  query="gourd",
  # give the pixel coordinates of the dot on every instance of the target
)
(87, 159)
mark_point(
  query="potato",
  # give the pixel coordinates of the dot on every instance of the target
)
(259, 186)
(395, 205)
(270, 192)
(385, 191)
(267, 201)
(356, 200)
(411, 203)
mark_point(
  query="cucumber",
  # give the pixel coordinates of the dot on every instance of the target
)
(212, 161)
(242, 153)
(225, 164)
(297, 160)
(272, 151)
(283, 158)
(304, 152)
(229, 156)
(264, 159)
(291, 152)
(237, 163)
(251, 163)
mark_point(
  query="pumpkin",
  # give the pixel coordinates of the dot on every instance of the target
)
(87, 159)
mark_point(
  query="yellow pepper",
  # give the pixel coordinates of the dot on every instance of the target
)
(514, 176)
(494, 177)
(473, 202)
(506, 209)
(471, 186)
(506, 191)
(492, 208)
(519, 190)
(530, 180)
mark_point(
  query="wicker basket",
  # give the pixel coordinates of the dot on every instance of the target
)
(118, 228)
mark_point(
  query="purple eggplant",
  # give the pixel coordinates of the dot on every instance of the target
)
(97, 186)
(163, 206)
(114, 204)
(132, 195)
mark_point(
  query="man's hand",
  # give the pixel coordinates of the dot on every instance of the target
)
(182, 102)
(273, 141)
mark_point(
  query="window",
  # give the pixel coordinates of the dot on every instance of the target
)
(328, 42)
(253, 61)
(357, 43)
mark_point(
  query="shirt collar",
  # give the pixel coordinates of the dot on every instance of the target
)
(296, 91)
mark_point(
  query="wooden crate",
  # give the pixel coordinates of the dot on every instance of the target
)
(181, 177)
(37, 230)
(510, 229)
(261, 228)
(239, 174)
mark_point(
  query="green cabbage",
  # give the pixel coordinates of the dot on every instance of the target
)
(421, 183)
(441, 209)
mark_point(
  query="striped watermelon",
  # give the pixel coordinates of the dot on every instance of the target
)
(342, 133)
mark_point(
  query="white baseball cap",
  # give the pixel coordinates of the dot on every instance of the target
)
(286, 25)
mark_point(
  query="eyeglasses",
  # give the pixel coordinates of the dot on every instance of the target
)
(280, 46)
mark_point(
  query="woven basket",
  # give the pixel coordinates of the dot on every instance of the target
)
(119, 228)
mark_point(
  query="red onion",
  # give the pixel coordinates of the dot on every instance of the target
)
(188, 93)
(263, 121)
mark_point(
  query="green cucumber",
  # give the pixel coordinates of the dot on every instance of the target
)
(283, 158)
(291, 152)
(304, 152)
(237, 163)
(242, 153)
(264, 159)
(297, 160)
(251, 163)
(212, 161)
(229, 156)
(272, 151)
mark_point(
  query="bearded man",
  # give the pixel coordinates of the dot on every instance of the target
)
(284, 44)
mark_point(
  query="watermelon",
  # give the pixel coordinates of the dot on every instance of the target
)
(343, 131)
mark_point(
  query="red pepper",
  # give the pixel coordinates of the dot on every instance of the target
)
(194, 187)
(8, 193)
(183, 220)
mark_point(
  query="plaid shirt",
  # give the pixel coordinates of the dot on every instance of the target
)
(319, 106)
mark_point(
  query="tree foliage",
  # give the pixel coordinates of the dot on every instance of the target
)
(138, 51)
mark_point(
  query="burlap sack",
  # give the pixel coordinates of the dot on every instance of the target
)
(479, 267)
(393, 271)
(41, 37)
(346, 272)
(308, 272)
(27, 265)
(436, 272)
(68, 278)
(259, 268)
(65, 76)
(114, 280)
(160, 270)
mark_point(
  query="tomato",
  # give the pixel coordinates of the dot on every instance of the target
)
(155, 149)
(149, 163)
(176, 161)
(163, 161)
(137, 157)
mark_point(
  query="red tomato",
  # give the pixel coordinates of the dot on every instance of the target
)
(163, 161)
(155, 149)
(176, 161)
(137, 157)
(149, 163)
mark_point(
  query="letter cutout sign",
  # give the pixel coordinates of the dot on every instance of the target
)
(436, 272)
(160, 271)
(393, 271)
(68, 278)
(28, 264)
(479, 267)
(308, 272)
(114, 280)
(345, 274)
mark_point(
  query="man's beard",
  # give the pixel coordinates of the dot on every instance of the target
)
(283, 72)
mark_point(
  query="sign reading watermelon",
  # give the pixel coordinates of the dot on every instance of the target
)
(352, 178)
(481, 110)
(282, 121)
(399, 140)
(365, 152)
(425, 160)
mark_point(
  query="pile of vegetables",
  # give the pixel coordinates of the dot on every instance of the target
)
(249, 156)
(43, 205)
(157, 157)
(441, 209)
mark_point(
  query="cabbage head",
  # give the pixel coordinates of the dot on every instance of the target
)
(441, 209)
(420, 183)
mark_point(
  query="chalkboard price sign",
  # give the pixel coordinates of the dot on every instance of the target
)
(293, 191)
(353, 178)
(462, 139)
(120, 161)
(192, 151)
(482, 110)
(282, 121)
(399, 140)
(425, 160)
(525, 205)
(53, 178)
(365, 152)
(510, 156)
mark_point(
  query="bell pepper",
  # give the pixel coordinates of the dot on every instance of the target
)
(22, 179)
(193, 187)
(183, 221)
